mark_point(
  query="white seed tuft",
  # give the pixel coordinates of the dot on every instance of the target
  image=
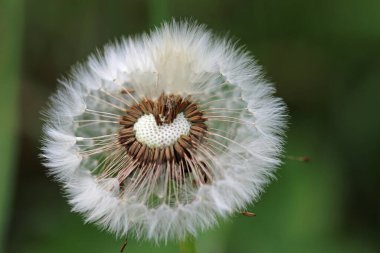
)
(211, 154)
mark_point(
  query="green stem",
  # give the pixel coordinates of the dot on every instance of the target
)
(188, 245)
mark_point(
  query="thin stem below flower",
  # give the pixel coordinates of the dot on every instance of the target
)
(188, 245)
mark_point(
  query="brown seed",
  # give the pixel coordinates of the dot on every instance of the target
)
(141, 152)
(196, 134)
(122, 140)
(129, 117)
(133, 147)
(186, 138)
(248, 214)
(124, 245)
(158, 120)
(183, 143)
(162, 155)
(194, 113)
(201, 125)
(127, 90)
(143, 108)
(146, 105)
(190, 109)
(169, 119)
(146, 155)
(155, 110)
(196, 118)
(135, 109)
(129, 141)
(183, 105)
(161, 102)
(150, 105)
(126, 132)
(178, 149)
(156, 154)
(167, 154)
(172, 153)
(193, 140)
(197, 128)
(126, 123)
(139, 146)
(134, 113)
(150, 155)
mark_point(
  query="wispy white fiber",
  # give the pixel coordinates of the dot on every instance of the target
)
(245, 123)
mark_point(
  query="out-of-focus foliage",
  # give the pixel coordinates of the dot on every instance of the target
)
(11, 27)
(324, 57)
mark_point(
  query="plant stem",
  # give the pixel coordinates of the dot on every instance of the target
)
(188, 245)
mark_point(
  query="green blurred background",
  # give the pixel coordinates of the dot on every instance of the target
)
(324, 57)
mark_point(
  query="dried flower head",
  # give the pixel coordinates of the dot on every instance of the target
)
(164, 133)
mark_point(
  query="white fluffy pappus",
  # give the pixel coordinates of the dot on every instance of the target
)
(179, 174)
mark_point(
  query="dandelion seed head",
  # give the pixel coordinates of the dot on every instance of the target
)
(160, 135)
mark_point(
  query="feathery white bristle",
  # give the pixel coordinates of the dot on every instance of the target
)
(237, 156)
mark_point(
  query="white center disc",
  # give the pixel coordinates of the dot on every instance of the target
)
(148, 132)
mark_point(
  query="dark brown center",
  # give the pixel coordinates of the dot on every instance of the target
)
(164, 109)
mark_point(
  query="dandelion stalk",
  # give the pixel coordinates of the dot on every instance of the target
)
(10, 48)
(188, 245)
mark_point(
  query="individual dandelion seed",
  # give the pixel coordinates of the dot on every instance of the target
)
(161, 134)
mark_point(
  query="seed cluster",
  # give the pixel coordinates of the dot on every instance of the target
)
(165, 110)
